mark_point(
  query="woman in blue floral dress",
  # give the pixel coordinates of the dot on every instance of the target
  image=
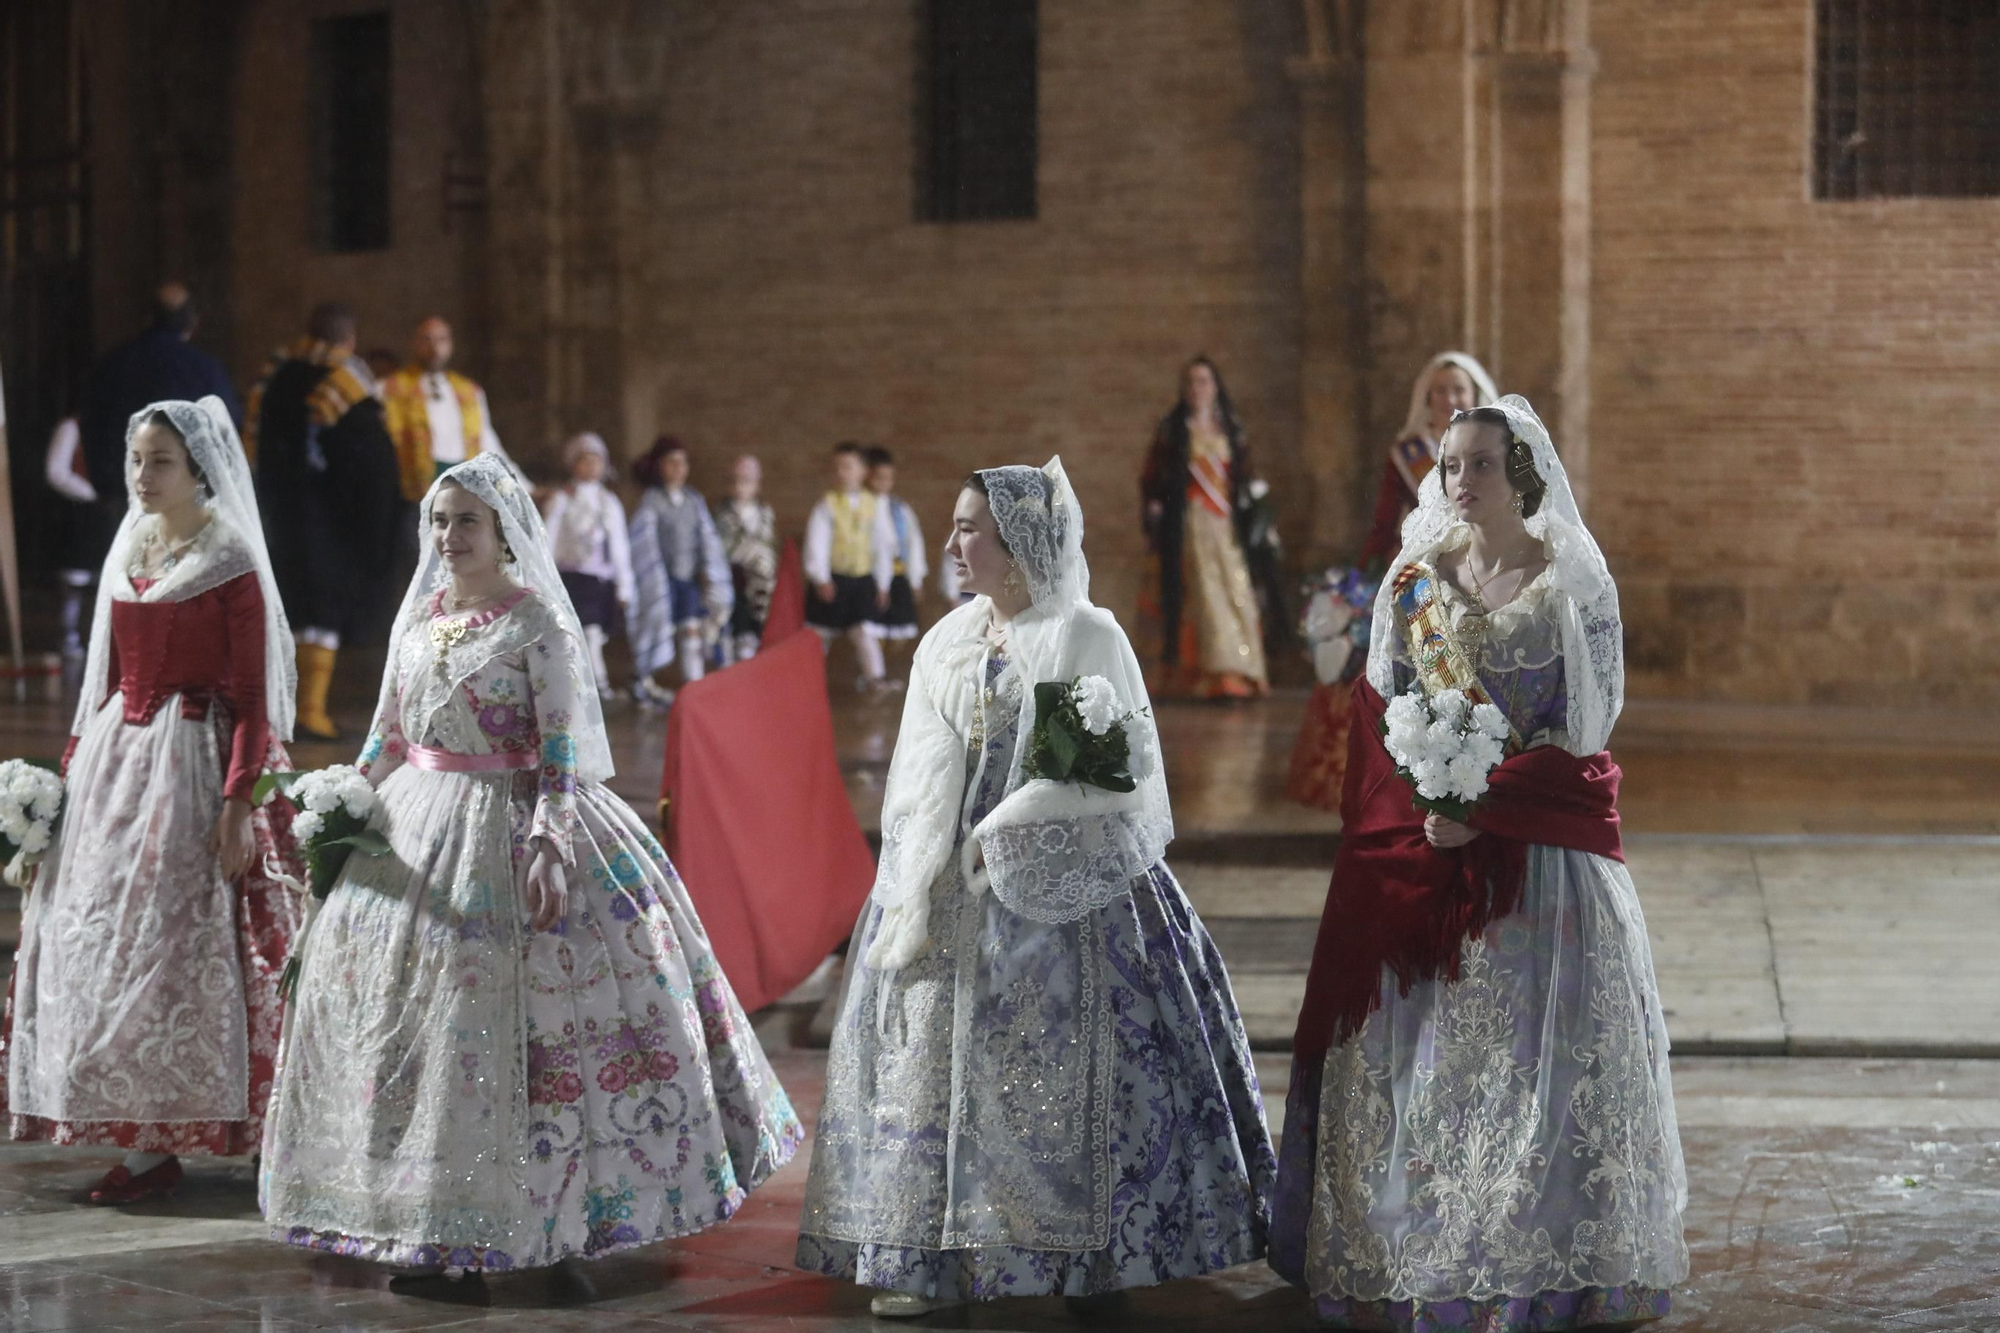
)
(1039, 1083)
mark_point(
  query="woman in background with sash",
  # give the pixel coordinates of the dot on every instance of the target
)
(1201, 604)
(1480, 1132)
(1450, 382)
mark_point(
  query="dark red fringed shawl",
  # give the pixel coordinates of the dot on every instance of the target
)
(1398, 902)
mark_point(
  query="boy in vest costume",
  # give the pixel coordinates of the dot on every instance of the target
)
(436, 416)
(850, 563)
(586, 523)
(749, 531)
(684, 588)
(899, 621)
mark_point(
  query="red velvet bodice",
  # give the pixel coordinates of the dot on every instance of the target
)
(207, 648)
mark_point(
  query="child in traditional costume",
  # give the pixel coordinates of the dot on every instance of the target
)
(850, 563)
(144, 1012)
(1480, 1131)
(586, 525)
(685, 587)
(1039, 1082)
(899, 621)
(749, 532)
(510, 1044)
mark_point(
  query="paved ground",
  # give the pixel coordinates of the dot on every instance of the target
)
(1828, 1196)
(1807, 897)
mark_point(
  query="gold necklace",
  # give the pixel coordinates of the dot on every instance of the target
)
(171, 553)
(447, 634)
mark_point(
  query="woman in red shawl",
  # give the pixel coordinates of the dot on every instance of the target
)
(1480, 1132)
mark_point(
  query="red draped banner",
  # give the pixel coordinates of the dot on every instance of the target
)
(757, 818)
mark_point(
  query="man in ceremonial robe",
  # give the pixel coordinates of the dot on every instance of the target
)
(436, 416)
(327, 485)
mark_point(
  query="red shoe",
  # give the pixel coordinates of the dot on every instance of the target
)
(121, 1186)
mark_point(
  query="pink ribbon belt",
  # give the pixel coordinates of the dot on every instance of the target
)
(444, 761)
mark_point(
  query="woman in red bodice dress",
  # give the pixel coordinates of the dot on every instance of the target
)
(143, 1011)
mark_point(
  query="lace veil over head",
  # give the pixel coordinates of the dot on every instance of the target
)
(1593, 636)
(492, 480)
(232, 545)
(1054, 851)
(1418, 422)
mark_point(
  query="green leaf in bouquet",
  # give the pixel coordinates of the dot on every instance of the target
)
(270, 782)
(46, 765)
(1113, 779)
(370, 842)
(1063, 747)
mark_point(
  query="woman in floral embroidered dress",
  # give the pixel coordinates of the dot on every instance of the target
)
(1480, 1131)
(1039, 1083)
(144, 1009)
(510, 1043)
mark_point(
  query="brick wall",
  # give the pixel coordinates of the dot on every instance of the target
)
(774, 293)
(702, 222)
(431, 265)
(1791, 401)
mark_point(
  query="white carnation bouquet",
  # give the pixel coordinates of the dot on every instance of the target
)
(1079, 734)
(1446, 747)
(31, 797)
(336, 815)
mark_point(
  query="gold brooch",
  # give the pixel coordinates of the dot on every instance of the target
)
(448, 634)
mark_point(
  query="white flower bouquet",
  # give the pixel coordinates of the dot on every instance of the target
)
(336, 808)
(1445, 747)
(31, 797)
(1079, 735)
(336, 813)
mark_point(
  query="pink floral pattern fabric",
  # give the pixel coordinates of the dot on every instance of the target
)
(459, 1089)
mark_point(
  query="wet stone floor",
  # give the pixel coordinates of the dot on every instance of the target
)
(1827, 1194)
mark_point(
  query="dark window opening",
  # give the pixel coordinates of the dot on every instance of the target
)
(976, 116)
(1906, 99)
(350, 95)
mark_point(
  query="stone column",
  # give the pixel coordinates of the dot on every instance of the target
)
(1333, 381)
(522, 60)
(1445, 190)
(570, 118)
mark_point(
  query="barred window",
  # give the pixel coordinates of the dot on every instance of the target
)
(350, 129)
(976, 112)
(1906, 99)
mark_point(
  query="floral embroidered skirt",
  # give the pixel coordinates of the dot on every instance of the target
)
(143, 1008)
(459, 1090)
(1034, 1109)
(1496, 1153)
